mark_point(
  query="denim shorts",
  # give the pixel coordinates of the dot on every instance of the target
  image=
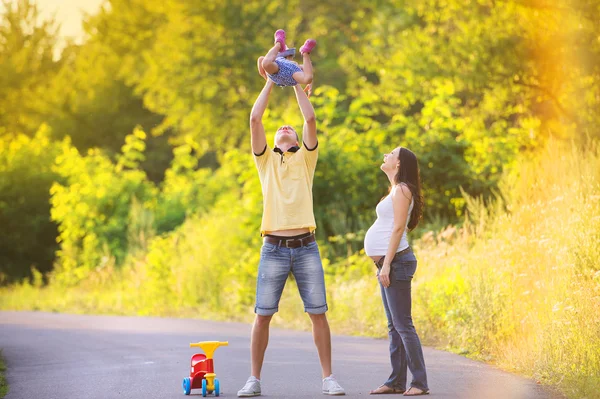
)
(276, 262)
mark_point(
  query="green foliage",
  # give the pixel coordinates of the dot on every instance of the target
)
(92, 206)
(88, 102)
(468, 85)
(26, 65)
(185, 190)
(109, 210)
(196, 62)
(27, 235)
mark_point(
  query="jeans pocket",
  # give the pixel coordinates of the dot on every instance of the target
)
(268, 248)
(311, 246)
(404, 270)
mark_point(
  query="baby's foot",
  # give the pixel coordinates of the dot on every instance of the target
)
(308, 46)
(280, 38)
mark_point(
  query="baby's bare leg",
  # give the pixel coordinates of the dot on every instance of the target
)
(301, 78)
(306, 76)
(268, 62)
(261, 70)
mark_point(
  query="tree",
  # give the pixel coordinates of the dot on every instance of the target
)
(469, 85)
(26, 65)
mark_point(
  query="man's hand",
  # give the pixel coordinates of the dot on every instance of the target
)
(308, 90)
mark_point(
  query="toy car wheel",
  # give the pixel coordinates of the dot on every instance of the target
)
(203, 387)
(187, 385)
(217, 387)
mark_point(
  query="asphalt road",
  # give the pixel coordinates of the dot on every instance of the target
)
(61, 356)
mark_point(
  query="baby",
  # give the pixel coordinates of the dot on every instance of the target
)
(279, 65)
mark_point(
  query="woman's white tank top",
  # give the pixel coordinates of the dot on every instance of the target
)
(377, 239)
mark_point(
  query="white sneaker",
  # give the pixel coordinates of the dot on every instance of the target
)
(331, 386)
(252, 388)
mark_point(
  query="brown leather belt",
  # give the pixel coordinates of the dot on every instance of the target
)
(379, 263)
(289, 242)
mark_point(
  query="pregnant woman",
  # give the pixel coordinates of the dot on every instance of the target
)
(386, 243)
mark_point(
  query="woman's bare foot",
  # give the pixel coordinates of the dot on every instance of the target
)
(261, 70)
(412, 391)
(384, 389)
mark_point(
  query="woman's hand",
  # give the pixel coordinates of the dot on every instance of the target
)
(384, 275)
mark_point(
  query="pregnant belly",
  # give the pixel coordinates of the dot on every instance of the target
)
(369, 238)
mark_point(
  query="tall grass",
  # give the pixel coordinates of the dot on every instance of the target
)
(520, 284)
(517, 285)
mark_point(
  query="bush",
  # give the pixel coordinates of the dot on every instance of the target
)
(92, 207)
(27, 234)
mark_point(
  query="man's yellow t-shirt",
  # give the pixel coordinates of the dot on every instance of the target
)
(286, 180)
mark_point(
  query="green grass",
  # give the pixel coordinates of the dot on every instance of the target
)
(519, 285)
(3, 383)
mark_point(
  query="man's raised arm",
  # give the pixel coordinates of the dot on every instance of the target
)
(257, 130)
(309, 132)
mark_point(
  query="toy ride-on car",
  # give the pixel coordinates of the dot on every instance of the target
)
(202, 369)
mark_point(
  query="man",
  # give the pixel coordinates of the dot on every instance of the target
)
(288, 223)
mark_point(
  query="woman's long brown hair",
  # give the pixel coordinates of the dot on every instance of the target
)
(409, 174)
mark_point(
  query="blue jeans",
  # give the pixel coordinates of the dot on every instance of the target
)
(405, 346)
(276, 263)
